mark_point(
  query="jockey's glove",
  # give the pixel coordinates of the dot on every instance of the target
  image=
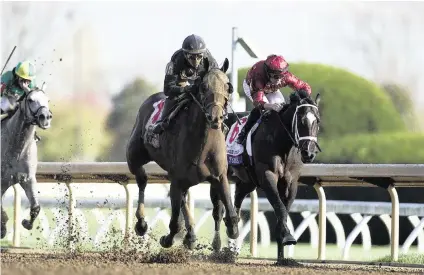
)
(190, 89)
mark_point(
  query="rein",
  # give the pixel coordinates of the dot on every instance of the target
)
(36, 114)
(295, 130)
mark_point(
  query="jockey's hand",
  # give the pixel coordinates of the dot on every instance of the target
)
(273, 106)
(190, 89)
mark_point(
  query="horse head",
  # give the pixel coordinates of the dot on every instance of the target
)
(35, 107)
(214, 93)
(305, 120)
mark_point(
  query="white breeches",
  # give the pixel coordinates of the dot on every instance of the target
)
(274, 97)
(5, 104)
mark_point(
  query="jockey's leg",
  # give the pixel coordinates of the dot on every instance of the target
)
(276, 97)
(254, 115)
(163, 121)
(5, 105)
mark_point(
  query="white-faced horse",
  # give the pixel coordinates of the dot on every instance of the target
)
(19, 150)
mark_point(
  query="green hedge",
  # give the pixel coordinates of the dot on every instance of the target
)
(374, 148)
(349, 104)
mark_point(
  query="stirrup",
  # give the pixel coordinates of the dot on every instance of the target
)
(36, 137)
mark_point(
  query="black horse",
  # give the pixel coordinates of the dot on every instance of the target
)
(282, 142)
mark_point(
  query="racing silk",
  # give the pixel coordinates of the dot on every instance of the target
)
(10, 86)
(260, 85)
(178, 72)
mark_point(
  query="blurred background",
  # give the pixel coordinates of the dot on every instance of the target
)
(101, 60)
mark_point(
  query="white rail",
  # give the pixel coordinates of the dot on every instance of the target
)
(316, 175)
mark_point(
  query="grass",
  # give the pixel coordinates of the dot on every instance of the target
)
(411, 258)
(46, 228)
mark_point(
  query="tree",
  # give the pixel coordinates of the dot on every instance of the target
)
(121, 120)
(350, 104)
(385, 42)
(401, 98)
(59, 144)
(396, 147)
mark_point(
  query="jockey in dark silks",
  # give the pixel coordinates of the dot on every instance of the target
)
(186, 66)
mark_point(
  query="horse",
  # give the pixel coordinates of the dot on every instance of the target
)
(283, 141)
(19, 150)
(191, 150)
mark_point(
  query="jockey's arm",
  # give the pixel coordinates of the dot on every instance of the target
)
(4, 80)
(296, 84)
(170, 86)
(258, 93)
(3, 88)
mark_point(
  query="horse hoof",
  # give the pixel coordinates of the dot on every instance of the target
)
(289, 240)
(165, 243)
(233, 247)
(27, 224)
(216, 243)
(189, 242)
(141, 228)
(3, 231)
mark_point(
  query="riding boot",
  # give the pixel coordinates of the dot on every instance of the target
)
(163, 121)
(251, 120)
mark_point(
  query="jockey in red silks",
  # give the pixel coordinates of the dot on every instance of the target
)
(262, 84)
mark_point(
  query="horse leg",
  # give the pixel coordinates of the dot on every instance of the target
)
(176, 195)
(242, 189)
(4, 217)
(141, 179)
(231, 219)
(269, 186)
(217, 214)
(190, 237)
(28, 186)
(287, 193)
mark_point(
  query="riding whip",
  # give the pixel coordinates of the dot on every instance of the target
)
(7, 61)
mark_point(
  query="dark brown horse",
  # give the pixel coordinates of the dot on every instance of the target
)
(191, 150)
(281, 144)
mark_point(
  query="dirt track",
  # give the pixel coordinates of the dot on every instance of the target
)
(22, 263)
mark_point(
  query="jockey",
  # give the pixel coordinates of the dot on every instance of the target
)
(14, 84)
(262, 84)
(181, 73)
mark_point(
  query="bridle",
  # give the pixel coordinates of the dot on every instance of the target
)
(295, 129)
(34, 119)
(204, 96)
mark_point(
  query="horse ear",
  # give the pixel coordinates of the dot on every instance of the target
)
(206, 65)
(294, 97)
(318, 99)
(225, 66)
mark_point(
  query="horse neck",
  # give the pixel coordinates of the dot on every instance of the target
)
(282, 137)
(197, 124)
(20, 133)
